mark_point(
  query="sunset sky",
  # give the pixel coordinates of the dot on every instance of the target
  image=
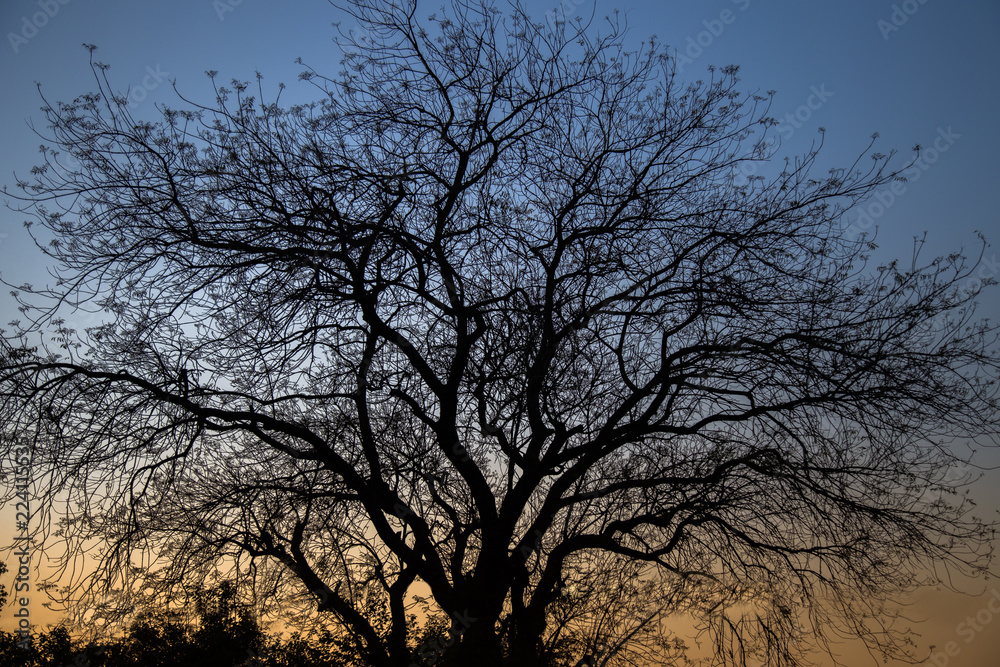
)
(917, 71)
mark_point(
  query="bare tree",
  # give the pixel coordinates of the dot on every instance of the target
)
(490, 325)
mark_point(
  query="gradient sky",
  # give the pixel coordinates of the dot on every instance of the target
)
(917, 72)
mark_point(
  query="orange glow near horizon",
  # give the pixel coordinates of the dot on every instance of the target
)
(954, 629)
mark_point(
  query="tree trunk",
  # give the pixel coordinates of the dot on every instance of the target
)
(525, 646)
(479, 646)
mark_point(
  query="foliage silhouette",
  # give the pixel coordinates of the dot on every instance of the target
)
(221, 633)
(491, 335)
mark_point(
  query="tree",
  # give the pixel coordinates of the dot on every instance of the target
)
(49, 649)
(489, 323)
(223, 633)
(219, 631)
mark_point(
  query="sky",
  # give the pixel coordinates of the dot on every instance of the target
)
(915, 71)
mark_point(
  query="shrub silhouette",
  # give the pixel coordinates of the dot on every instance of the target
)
(223, 633)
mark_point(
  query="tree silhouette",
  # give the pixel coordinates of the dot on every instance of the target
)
(219, 632)
(49, 649)
(488, 323)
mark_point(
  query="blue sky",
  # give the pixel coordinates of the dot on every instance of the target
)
(910, 70)
(916, 71)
